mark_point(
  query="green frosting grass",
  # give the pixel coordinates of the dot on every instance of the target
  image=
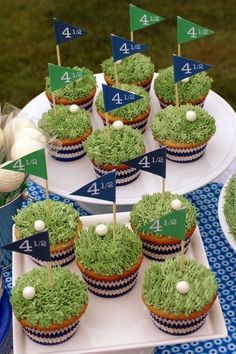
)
(60, 123)
(160, 281)
(125, 144)
(229, 206)
(51, 304)
(197, 87)
(61, 222)
(152, 206)
(170, 124)
(131, 110)
(77, 89)
(134, 69)
(107, 257)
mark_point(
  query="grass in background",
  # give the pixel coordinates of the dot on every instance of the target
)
(27, 39)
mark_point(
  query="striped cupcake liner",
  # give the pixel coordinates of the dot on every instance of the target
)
(123, 177)
(147, 87)
(185, 155)
(61, 258)
(158, 252)
(87, 105)
(111, 289)
(141, 125)
(164, 104)
(66, 153)
(52, 337)
(178, 327)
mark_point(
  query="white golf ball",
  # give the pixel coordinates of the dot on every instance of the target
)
(101, 229)
(185, 80)
(31, 133)
(176, 204)
(28, 292)
(118, 124)
(191, 116)
(14, 125)
(182, 287)
(24, 146)
(73, 108)
(10, 180)
(39, 225)
(118, 61)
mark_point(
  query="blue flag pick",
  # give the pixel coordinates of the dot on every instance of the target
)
(114, 98)
(65, 32)
(153, 162)
(101, 188)
(123, 48)
(36, 246)
(184, 67)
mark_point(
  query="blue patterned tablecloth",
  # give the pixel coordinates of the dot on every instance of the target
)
(221, 257)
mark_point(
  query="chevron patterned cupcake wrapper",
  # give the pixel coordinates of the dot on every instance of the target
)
(178, 327)
(52, 337)
(123, 177)
(111, 288)
(66, 153)
(164, 104)
(159, 252)
(61, 258)
(185, 155)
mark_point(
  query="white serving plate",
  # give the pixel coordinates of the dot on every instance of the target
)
(223, 222)
(120, 324)
(65, 177)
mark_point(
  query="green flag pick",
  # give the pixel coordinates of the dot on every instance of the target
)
(188, 31)
(61, 76)
(140, 18)
(33, 163)
(171, 224)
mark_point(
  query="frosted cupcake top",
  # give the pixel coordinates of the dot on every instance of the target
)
(229, 208)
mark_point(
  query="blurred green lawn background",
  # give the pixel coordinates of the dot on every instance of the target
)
(27, 39)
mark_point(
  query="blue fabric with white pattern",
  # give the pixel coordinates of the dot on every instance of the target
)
(220, 255)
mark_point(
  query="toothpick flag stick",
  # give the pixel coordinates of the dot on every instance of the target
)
(188, 31)
(116, 73)
(140, 18)
(102, 188)
(64, 32)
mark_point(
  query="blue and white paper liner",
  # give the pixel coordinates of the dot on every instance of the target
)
(123, 177)
(178, 327)
(159, 252)
(164, 105)
(87, 105)
(141, 125)
(61, 258)
(185, 155)
(66, 153)
(52, 337)
(111, 288)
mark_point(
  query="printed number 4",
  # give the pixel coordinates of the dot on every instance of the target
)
(192, 33)
(116, 98)
(144, 20)
(66, 32)
(156, 227)
(25, 246)
(93, 189)
(124, 48)
(186, 68)
(19, 165)
(65, 77)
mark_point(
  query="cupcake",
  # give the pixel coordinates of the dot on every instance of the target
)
(184, 132)
(229, 206)
(49, 314)
(192, 90)
(80, 92)
(178, 301)
(62, 222)
(134, 114)
(66, 128)
(125, 144)
(152, 207)
(137, 70)
(109, 266)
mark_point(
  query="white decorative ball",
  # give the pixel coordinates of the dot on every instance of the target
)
(101, 229)
(1, 138)
(191, 116)
(185, 80)
(24, 146)
(31, 133)
(10, 180)
(39, 225)
(14, 125)
(118, 124)
(176, 204)
(28, 292)
(182, 287)
(73, 108)
(118, 61)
